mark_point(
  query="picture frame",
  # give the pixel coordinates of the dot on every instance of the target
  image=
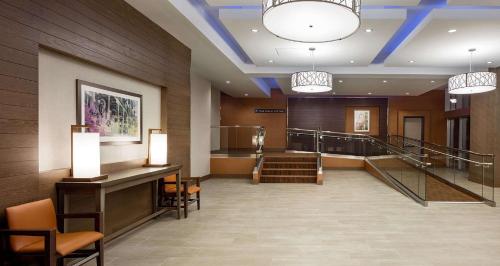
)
(115, 114)
(362, 121)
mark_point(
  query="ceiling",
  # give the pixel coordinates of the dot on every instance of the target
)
(408, 52)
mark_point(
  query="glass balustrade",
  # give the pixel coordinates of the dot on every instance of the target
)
(237, 140)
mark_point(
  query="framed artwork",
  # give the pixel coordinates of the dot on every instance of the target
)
(361, 120)
(115, 114)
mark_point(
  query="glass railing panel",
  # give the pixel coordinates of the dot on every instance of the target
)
(237, 139)
(301, 140)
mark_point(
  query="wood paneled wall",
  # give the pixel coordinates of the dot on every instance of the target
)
(108, 33)
(241, 111)
(430, 105)
(330, 113)
(485, 128)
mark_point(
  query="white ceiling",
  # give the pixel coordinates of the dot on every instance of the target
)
(437, 53)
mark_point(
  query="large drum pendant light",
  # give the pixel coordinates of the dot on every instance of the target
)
(472, 82)
(312, 81)
(311, 21)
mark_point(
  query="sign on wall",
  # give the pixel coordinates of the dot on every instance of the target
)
(269, 111)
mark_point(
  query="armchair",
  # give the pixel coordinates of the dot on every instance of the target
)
(33, 232)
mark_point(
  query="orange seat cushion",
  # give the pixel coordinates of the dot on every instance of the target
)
(34, 215)
(66, 243)
(170, 188)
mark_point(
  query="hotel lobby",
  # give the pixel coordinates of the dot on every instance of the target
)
(249, 132)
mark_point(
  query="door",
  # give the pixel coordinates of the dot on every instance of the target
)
(413, 128)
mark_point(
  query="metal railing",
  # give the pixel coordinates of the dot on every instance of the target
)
(404, 160)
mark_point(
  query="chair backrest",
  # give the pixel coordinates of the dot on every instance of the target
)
(170, 187)
(34, 215)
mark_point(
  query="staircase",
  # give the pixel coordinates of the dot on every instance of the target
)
(289, 169)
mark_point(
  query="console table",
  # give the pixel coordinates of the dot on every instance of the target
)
(119, 181)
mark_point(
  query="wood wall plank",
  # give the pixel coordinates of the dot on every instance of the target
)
(110, 34)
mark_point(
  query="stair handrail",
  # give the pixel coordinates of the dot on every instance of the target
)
(443, 146)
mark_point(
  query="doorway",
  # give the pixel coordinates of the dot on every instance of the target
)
(413, 128)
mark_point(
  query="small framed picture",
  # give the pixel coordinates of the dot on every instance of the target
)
(361, 120)
(115, 114)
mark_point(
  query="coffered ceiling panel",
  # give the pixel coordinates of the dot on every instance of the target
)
(263, 46)
(435, 46)
(474, 2)
(376, 85)
(364, 2)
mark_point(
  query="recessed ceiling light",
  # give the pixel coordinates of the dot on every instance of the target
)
(352, 61)
(384, 81)
(341, 81)
(246, 94)
(369, 93)
(452, 30)
(255, 30)
(489, 62)
(369, 30)
(334, 93)
(433, 81)
(270, 61)
(228, 82)
(411, 61)
(407, 93)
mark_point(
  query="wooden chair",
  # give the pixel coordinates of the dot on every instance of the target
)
(33, 232)
(187, 190)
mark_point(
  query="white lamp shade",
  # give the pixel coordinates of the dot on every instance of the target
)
(312, 81)
(86, 155)
(311, 21)
(472, 82)
(158, 149)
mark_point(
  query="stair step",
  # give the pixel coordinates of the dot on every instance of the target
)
(273, 162)
(290, 176)
(289, 169)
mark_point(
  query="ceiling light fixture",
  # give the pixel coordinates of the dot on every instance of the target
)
(433, 81)
(384, 81)
(228, 82)
(407, 93)
(311, 21)
(341, 81)
(312, 81)
(472, 82)
(270, 61)
(352, 61)
(411, 61)
(452, 30)
(489, 62)
(246, 94)
(255, 30)
(368, 30)
(369, 93)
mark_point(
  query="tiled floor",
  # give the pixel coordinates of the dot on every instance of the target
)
(353, 219)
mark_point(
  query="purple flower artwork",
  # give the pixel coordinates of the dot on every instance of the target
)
(116, 115)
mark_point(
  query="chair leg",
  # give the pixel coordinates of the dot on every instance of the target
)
(185, 200)
(198, 200)
(60, 261)
(99, 246)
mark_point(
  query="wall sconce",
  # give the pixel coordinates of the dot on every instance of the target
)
(85, 155)
(157, 149)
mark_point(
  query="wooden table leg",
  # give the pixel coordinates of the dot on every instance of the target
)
(100, 205)
(178, 192)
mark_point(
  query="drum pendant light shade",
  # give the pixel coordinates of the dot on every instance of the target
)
(311, 21)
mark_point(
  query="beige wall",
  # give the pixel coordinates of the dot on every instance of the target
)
(200, 125)
(57, 99)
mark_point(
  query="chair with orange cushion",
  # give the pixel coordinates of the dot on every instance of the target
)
(33, 231)
(187, 190)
